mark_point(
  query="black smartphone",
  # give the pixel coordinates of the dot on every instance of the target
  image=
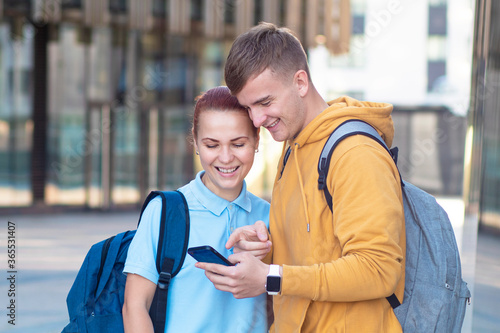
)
(208, 254)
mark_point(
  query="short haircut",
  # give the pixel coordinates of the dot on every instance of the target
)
(264, 46)
(217, 99)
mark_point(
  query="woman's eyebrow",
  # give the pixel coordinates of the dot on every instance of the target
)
(239, 138)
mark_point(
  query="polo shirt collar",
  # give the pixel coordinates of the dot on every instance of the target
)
(215, 203)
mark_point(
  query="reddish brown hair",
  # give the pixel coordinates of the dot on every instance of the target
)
(216, 99)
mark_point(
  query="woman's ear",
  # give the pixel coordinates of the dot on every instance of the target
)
(194, 141)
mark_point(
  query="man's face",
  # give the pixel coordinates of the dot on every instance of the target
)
(274, 104)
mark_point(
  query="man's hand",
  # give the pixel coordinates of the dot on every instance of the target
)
(246, 279)
(252, 239)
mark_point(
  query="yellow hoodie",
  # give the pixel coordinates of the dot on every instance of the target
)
(338, 268)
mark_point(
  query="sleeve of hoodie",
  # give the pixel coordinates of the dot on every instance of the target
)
(368, 222)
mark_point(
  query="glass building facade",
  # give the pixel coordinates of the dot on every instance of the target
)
(116, 114)
(96, 96)
(482, 181)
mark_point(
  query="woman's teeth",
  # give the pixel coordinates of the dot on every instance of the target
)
(227, 170)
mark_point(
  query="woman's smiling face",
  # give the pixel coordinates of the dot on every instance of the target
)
(226, 142)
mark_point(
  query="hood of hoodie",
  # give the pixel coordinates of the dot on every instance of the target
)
(343, 108)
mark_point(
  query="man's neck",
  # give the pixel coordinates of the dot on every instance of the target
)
(315, 104)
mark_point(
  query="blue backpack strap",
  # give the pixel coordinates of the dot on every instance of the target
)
(172, 247)
(109, 254)
(346, 129)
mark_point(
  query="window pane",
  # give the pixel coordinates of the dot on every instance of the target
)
(358, 24)
(160, 8)
(118, 6)
(17, 5)
(71, 4)
(435, 71)
(437, 20)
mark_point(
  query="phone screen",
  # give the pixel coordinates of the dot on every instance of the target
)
(208, 254)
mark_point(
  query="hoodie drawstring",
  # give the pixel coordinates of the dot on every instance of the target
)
(296, 147)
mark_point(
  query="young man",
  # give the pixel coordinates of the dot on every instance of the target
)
(330, 272)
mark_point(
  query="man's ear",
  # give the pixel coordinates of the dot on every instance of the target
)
(301, 80)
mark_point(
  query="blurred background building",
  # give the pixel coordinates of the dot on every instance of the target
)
(416, 56)
(96, 96)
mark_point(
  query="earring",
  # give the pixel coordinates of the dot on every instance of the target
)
(197, 153)
(257, 150)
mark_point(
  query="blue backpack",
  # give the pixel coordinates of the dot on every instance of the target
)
(95, 300)
(435, 295)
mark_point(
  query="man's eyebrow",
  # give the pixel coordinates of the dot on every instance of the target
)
(260, 100)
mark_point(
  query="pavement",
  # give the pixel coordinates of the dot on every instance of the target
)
(51, 247)
(50, 250)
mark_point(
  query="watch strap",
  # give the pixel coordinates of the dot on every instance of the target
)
(274, 270)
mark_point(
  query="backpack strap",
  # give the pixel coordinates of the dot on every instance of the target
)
(109, 253)
(346, 129)
(172, 247)
(104, 254)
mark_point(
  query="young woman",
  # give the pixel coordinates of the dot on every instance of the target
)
(226, 142)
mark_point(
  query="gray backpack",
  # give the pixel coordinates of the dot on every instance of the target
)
(435, 295)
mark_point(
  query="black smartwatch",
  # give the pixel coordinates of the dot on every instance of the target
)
(273, 285)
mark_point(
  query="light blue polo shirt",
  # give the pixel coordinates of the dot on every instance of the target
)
(194, 305)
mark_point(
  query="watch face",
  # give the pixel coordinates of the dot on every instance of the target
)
(273, 283)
